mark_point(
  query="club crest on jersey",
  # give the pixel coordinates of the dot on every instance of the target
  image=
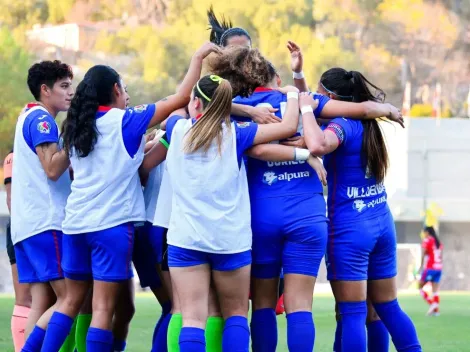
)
(44, 127)
(359, 205)
(269, 178)
(140, 108)
(243, 124)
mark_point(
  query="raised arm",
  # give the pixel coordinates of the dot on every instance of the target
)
(288, 125)
(296, 63)
(176, 101)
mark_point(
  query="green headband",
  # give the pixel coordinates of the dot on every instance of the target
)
(214, 78)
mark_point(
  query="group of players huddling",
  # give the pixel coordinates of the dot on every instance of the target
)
(211, 209)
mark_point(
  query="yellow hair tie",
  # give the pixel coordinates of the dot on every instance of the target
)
(213, 78)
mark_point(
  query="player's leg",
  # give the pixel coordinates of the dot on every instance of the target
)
(190, 276)
(280, 302)
(435, 300)
(378, 339)
(231, 275)
(77, 271)
(123, 314)
(347, 258)
(422, 283)
(111, 266)
(83, 322)
(382, 289)
(22, 306)
(215, 323)
(265, 271)
(305, 245)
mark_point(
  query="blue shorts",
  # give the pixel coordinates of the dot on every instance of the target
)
(38, 257)
(147, 254)
(180, 257)
(102, 255)
(288, 232)
(430, 275)
(365, 250)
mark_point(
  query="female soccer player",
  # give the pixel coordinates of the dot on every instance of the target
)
(431, 268)
(361, 254)
(295, 227)
(39, 192)
(101, 135)
(218, 240)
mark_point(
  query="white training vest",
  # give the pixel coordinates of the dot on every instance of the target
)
(37, 203)
(164, 200)
(211, 204)
(152, 189)
(106, 190)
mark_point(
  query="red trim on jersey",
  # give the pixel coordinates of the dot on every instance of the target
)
(263, 89)
(198, 116)
(103, 108)
(32, 105)
(130, 234)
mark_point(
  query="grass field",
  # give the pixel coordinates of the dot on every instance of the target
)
(449, 332)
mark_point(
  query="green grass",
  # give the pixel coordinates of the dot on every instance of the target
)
(449, 332)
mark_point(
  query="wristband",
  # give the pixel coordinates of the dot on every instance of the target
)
(298, 75)
(165, 143)
(306, 109)
(292, 95)
(301, 154)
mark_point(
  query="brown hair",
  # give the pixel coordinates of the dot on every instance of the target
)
(216, 96)
(244, 67)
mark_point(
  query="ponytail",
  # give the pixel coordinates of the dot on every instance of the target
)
(353, 86)
(216, 95)
(79, 131)
(222, 31)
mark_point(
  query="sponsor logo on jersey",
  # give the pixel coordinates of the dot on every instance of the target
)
(140, 108)
(363, 192)
(359, 205)
(270, 177)
(243, 124)
(44, 127)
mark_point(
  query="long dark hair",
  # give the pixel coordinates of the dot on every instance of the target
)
(430, 230)
(221, 31)
(353, 86)
(79, 129)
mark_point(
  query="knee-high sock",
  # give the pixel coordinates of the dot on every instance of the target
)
(353, 321)
(300, 332)
(378, 339)
(81, 331)
(174, 330)
(213, 334)
(18, 326)
(264, 330)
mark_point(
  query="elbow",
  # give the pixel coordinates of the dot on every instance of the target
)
(53, 176)
(257, 151)
(316, 149)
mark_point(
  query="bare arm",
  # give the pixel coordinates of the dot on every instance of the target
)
(8, 190)
(367, 110)
(153, 158)
(54, 161)
(296, 63)
(260, 115)
(176, 101)
(287, 127)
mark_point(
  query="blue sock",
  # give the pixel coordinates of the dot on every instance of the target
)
(57, 331)
(192, 340)
(263, 330)
(399, 325)
(377, 337)
(353, 321)
(34, 341)
(98, 340)
(166, 308)
(338, 334)
(119, 345)
(160, 343)
(300, 332)
(236, 335)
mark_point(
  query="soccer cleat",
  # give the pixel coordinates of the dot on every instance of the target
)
(280, 306)
(432, 308)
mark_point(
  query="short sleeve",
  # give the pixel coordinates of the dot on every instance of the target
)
(7, 169)
(341, 127)
(245, 132)
(134, 124)
(170, 124)
(322, 100)
(42, 128)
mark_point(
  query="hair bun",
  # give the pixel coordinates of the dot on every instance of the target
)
(348, 75)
